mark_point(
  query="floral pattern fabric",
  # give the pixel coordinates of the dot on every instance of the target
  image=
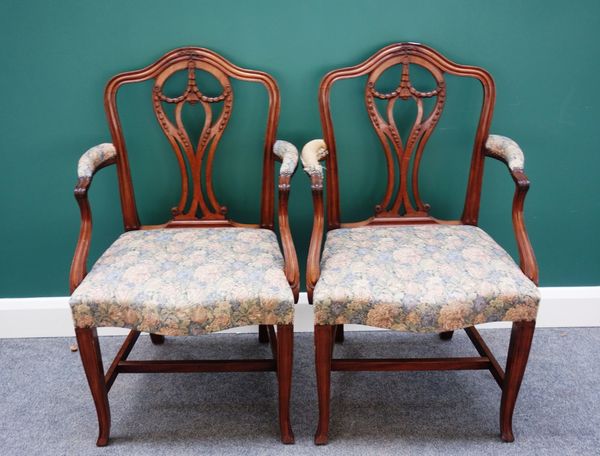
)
(420, 278)
(93, 158)
(288, 154)
(186, 281)
(505, 149)
(312, 153)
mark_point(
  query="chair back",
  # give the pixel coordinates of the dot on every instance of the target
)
(198, 205)
(401, 202)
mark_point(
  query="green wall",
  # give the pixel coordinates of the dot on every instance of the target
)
(57, 55)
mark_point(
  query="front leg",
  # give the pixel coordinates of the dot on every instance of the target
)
(285, 362)
(89, 349)
(518, 353)
(323, 347)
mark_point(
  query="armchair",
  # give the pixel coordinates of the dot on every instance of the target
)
(199, 272)
(402, 268)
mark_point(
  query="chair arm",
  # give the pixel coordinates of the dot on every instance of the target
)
(509, 152)
(312, 153)
(288, 154)
(90, 162)
(95, 159)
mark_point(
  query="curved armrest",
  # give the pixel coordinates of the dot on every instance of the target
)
(506, 150)
(509, 152)
(95, 159)
(288, 154)
(90, 162)
(312, 153)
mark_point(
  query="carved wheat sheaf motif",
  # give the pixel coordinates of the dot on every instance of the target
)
(195, 163)
(412, 147)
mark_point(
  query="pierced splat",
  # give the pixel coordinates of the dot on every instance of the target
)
(194, 161)
(412, 147)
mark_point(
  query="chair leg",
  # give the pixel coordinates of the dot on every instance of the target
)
(285, 361)
(89, 349)
(323, 345)
(518, 352)
(446, 335)
(157, 339)
(339, 334)
(263, 334)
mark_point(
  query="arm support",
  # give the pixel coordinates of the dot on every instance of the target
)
(312, 153)
(91, 161)
(509, 152)
(288, 154)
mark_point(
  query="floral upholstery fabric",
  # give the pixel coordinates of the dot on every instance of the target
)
(420, 278)
(313, 152)
(186, 282)
(288, 154)
(505, 149)
(94, 157)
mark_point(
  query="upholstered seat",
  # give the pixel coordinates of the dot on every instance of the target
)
(186, 282)
(420, 278)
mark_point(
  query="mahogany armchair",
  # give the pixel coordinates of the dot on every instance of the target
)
(200, 272)
(403, 269)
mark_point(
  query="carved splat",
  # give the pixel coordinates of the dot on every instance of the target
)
(200, 206)
(410, 148)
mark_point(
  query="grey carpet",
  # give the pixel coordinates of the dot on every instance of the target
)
(46, 408)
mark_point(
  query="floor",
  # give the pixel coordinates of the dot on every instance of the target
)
(46, 409)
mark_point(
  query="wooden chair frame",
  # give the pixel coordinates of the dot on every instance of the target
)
(202, 213)
(401, 210)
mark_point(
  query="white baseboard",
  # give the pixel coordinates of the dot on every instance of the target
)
(51, 317)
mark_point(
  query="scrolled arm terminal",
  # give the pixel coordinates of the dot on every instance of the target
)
(288, 153)
(312, 153)
(96, 158)
(506, 150)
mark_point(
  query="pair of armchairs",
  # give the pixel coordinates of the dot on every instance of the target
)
(401, 269)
